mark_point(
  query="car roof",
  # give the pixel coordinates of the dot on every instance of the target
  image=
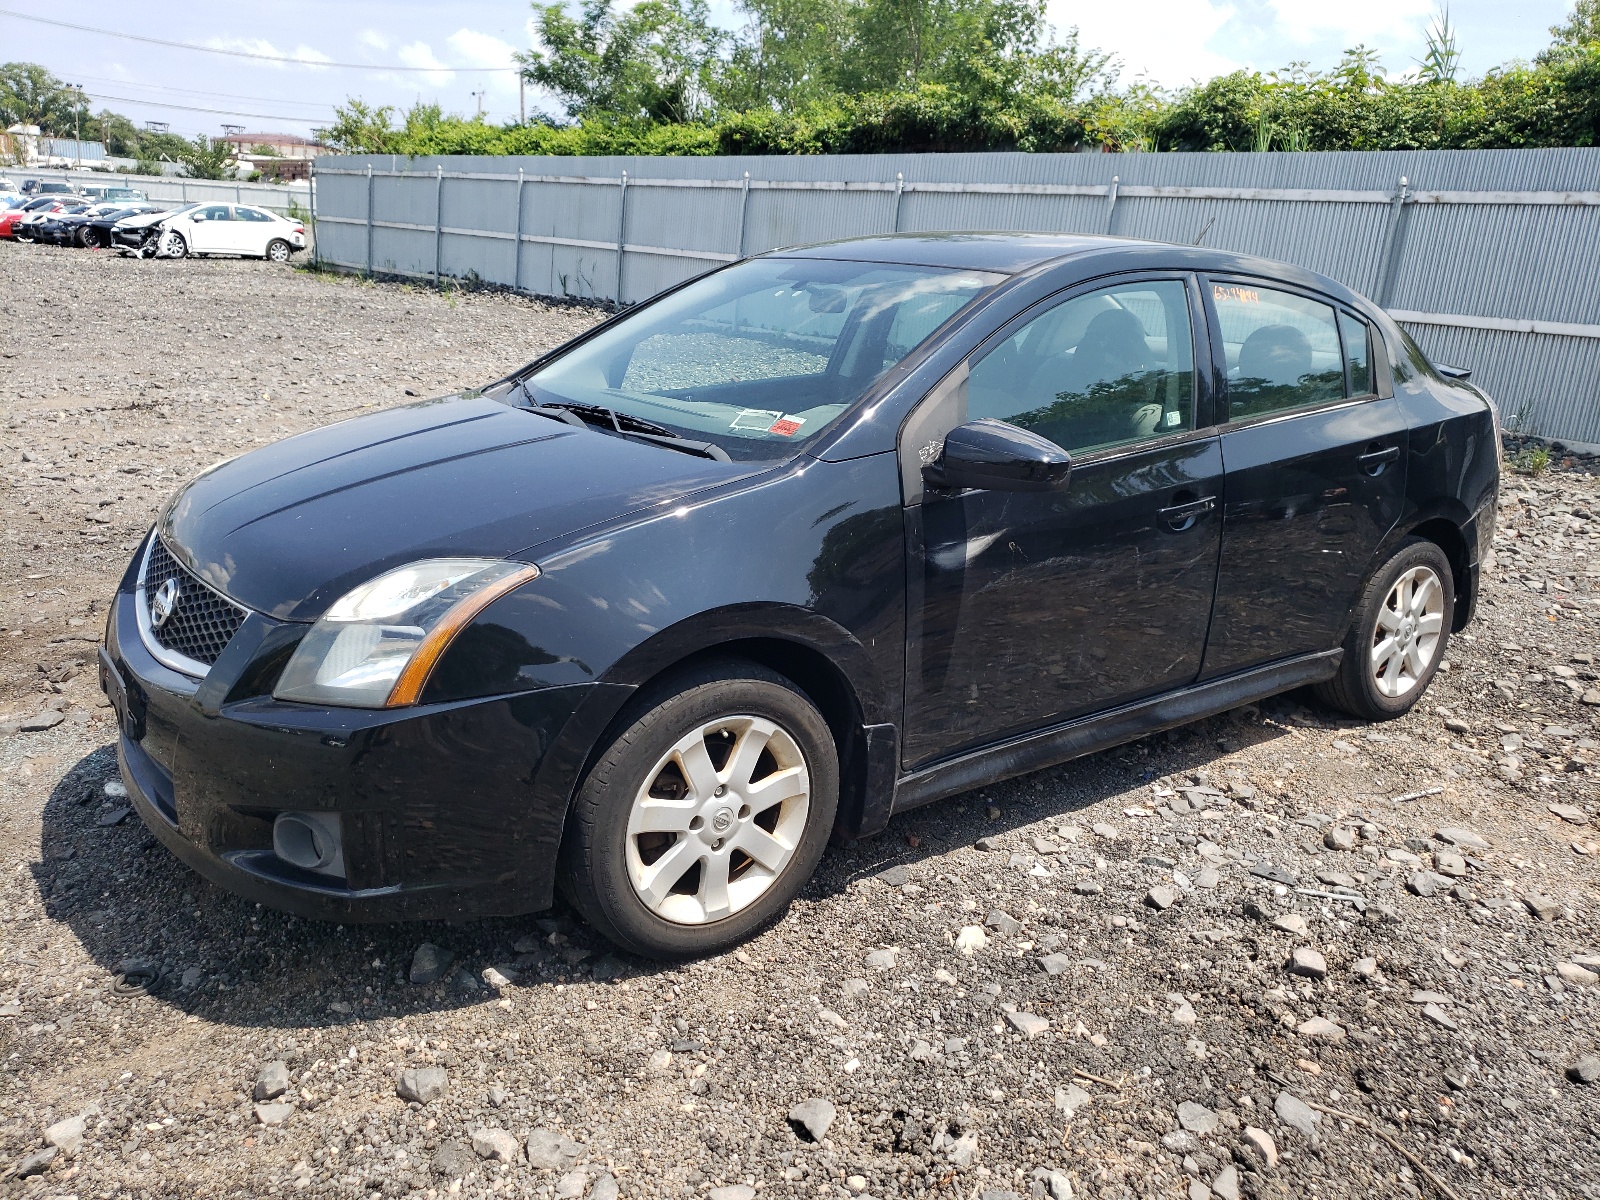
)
(1016, 253)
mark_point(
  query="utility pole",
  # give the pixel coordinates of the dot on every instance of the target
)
(77, 124)
(479, 95)
(522, 98)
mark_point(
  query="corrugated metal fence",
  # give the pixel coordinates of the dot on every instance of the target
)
(1490, 258)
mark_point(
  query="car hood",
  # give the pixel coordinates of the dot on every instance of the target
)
(288, 529)
(154, 218)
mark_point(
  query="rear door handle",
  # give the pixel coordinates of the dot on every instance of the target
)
(1374, 461)
(1181, 517)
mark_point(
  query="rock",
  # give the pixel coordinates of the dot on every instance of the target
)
(1184, 1015)
(736, 1191)
(66, 1135)
(1197, 1118)
(1465, 839)
(1275, 874)
(604, 1187)
(1438, 1016)
(853, 989)
(1028, 1024)
(496, 1144)
(1208, 878)
(815, 1116)
(1043, 845)
(453, 1160)
(1101, 829)
(1450, 864)
(45, 719)
(273, 1081)
(422, 1085)
(1585, 1070)
(1071, 1098)
(1161, 897)
(273, 1114)
(1308, 962)
(36, 1163)
(1339, 839)
(114, 816)
(429, 963)
(881, 960)
(1056, 1185)
(1427, 884)
(495, 979)
(549, 1151)
(986, 844)
(970, 940)
(1259, 1148)
(1570, 813)
(574, 1183)
(1180, 1141)
(1542, 906)
(659, 1062)
(1226, 1184)
(1574, 974)
(1055, 964)
(1198, 1190)
(498, 1096)
(115, 789)
(896, 876)
(1296, 1114)
(528, 943)
(964, 1150)
(1290, 923)
(1003, 922)
(1320, 1029)
(1087, 887)
(1367, 968)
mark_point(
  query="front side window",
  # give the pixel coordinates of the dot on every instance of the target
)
(760, 357)
(216, 212)
(1283, 350)
(1100, 370)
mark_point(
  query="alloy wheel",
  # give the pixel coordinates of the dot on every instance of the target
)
(717, 819)
(1406, 637)
(278, 252)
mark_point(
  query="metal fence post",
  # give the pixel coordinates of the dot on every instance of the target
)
(183, 190)
(369, 220)
(316, 242)
(899, 190)
(622, 229)
(1111, 201)
(438, 219)
(516, 255)
(744, 211)
(1386, 256)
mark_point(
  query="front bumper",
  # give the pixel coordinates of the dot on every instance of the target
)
(447, 810)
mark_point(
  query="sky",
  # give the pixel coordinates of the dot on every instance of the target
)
(427, 51)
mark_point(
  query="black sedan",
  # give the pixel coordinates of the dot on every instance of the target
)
(808, 541)
(92, 229)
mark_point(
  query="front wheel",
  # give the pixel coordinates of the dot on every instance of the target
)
(278, 251)
(172, 245)
(1399, 637)
(705, 816)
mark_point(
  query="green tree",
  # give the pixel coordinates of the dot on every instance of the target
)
(657, 61)
(31, 95)
(359, 128)
(786, 56)
(206, 158)
(1582, 29)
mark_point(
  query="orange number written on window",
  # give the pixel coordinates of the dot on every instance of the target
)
(1239, 295)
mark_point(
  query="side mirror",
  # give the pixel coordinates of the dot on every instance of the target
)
(999, 457)
(198, 217)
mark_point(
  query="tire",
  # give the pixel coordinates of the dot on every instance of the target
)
(89, 239)
(172, 245)
(278, 251)
(640, 827)
(1385, 671)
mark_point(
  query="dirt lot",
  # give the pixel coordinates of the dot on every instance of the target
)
(1199, 965)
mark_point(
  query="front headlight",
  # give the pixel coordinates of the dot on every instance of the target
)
(375, 647)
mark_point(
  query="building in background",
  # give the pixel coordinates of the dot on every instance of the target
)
(285, 156)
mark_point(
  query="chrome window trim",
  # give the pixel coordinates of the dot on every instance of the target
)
(170, 659)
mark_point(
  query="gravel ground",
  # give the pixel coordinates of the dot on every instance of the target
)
(1270, 954)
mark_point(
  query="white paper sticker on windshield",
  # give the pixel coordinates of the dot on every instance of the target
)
(756, 418)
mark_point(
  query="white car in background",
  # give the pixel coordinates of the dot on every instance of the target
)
(230, 229)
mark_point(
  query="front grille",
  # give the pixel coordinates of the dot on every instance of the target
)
(203, 621)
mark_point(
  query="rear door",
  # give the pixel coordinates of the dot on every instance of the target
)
(1026, 608)
(1315, 464)
(254, 228)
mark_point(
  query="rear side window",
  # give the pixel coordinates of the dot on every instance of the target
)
(1283, 350)
(1357, 354)
(251, 214)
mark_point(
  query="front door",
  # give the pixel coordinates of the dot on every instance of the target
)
(210, 230)
(1316, 473)
(1027, 609)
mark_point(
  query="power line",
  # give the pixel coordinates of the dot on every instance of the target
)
(274, 58)
(163, 87)
(221, 112)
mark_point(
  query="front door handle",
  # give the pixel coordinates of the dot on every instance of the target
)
(1182, 517)
(1377, 458)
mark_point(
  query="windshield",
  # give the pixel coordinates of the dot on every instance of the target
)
(757, 359)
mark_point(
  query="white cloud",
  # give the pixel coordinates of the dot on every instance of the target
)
(260, 46)
(481, 49)
(373, 40)
(420, 54)
(1164, 40)
(1373, 22)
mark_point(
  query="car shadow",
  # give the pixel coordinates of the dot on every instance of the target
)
(161, 931)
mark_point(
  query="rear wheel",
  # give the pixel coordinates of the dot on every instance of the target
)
(705, 816)
(278, 250)
(1400, 635)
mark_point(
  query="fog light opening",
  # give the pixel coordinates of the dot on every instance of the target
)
(310, 841)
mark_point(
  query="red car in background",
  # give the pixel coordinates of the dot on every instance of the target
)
(9, 217)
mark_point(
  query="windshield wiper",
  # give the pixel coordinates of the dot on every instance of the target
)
(625, 424)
